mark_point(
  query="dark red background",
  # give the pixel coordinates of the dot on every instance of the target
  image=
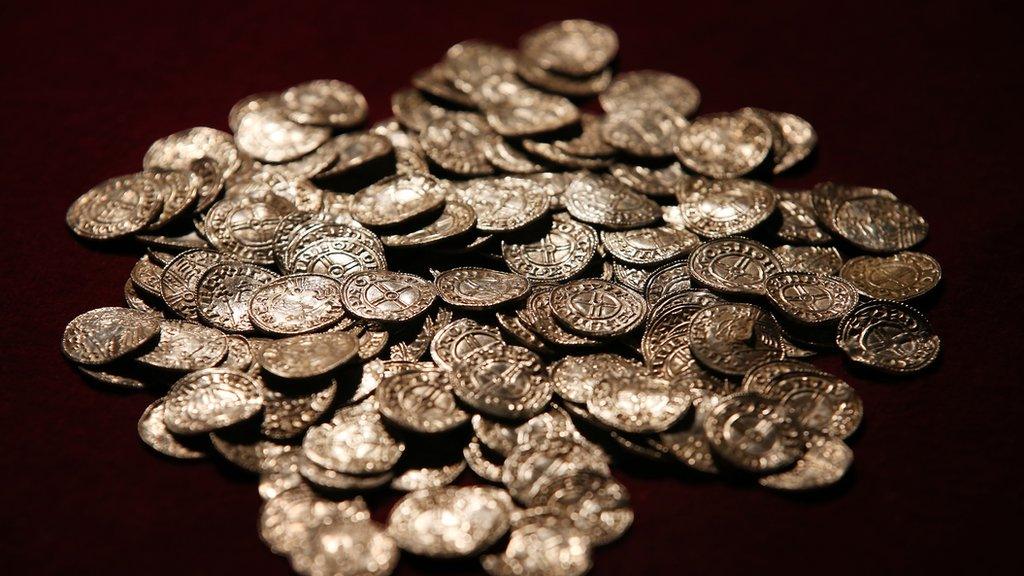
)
(922, 98)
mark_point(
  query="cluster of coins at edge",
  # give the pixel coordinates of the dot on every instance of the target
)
(574, 287)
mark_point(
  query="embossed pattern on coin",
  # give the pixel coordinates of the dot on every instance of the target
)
(450, 522)
(810, 298)
(224, 291)
(733, 338)
(724, 145)
(900, 277)
(733, 265)
(117, 207)
(388, 296)
(420, 400)
(186, 346)
(106, 334)
(212, 398)
(561, 254)
(307, 355)
(297, 303)
(480, 288)
(598, 308)
(398, 199)
(503, 381)
(888, 336)
(749, 432)
(719, 208)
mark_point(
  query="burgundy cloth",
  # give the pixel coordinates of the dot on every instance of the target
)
(922, 98)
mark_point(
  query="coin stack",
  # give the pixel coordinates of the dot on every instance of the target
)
(496, 280)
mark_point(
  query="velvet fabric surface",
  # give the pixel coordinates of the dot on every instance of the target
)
(922, 98)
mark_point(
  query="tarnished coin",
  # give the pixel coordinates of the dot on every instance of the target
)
(750, 432)
(824, 463)
(888, 336)
(224, 291)
(538, 317)
(353, 150)
(420, 399)
(799, 223)
(458, 341)
(470, 63)
(813, 259)
(659, 182)
(647, 88)
(572, 86)
(357, 444)
(733, 265)
(877, 224)
(413, 110)
(180, 280)
(672, 278)
(450, 522)
(810, 298)
(480, 288)
(266, 133)
(117, 207)
(387, 296)
(244, 229)
(288, 415)
(456, 142)
(648, 246)
(209, 399)
(571, 47)
(456, 219)
(155, 434)
(799, 137)
(733, 338)
(589, 143)
(505, 204)
(827, 197)
(503, 381)
(351, 548)
(527, 112)
(574, 377)
(645, 132)
(900, 277)
(106, 334)
(598, 308)
(325, 103)
(638, 402)
(607, 202)
(818, 402)
(307, 355)
(297, 303)
(545, 542)
(186, 346)
(688, 443)
(724, 145)
(564, 252)
(719, 208)
(179, 150)
(398, 199)
(145, 275)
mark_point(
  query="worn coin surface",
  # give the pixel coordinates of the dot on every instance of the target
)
(179, 150)
(719, 208)
(810, 298)
(267, 133)
(733, 338)
(106, 334)
(287, 415)
(186, 346)
(562, 253)
(750, 432)
(353, 150)
(351, 548)
(387, 296)
(638, 402)
(117, 207)
(480, 288)
(647, 88)
(398, 199)
(455, 220)
(648, 246)
(224, 291)
(799, 222)
(818, 402)
(456, 142)
(607, 202)
(297, 303)
(900, 277)
(539, 318)
(356, 444)
(459, 340)
(824, 463)
(450, 522)
(888, 336)
(733, 265)
(799, 137)
(571, 47)
(420, 399)
(667, 280)
(209, 399)
(505, 204)
(180, 279)
(598, 308)
(155, 434)
(244, 229)
(326, 103)
(724, 145)
(814, 259)
(503, 381)
(307, 355)
(878, 224)
(659, 182)
(645, 132)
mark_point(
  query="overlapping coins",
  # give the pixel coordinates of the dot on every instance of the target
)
(495, 279)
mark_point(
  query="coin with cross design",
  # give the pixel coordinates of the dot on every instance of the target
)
(733, 265)
(900, 277)
(598, 308)
(810, 298)
(888, 336)
(560, 254)
(387, 296)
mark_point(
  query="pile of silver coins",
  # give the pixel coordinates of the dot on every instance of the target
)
(494, 279)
